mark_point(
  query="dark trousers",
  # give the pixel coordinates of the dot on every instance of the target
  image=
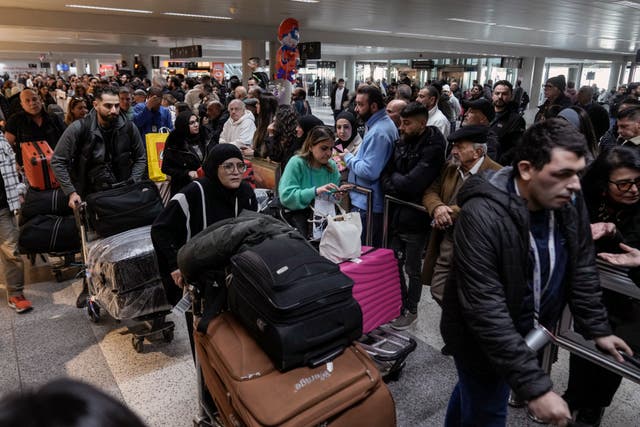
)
(376, 227)
(478, 399)
(408, 248)
(590, 386)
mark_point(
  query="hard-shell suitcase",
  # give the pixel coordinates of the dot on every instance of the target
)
(49, 233)
(45, 202)
(36, 158)
(249, 391)
(124, 207)
(376, 286)
(295, 303)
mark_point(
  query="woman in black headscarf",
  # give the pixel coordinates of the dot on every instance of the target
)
(184, 151)
(348, 138)
(225, 195)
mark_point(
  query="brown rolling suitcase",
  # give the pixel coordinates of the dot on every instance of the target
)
(249, 391)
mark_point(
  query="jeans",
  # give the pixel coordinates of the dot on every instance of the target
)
(408, 248)
(11, 264)
(478, 400)
(376, 229)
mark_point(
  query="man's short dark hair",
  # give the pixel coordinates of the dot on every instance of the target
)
(404, 92)
(374, 95)
(542, 137)
(433, 91)
(124, 89)
(340, 80)
(506, 83)
(154, 91)
(631, 113)
(175, 81)
(105, 90)
(414, 109)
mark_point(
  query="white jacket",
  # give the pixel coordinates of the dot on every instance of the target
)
(239, 132)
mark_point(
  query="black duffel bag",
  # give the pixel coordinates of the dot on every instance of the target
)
(123, 207)
(49, 234)
(297, 304)
(45, 202)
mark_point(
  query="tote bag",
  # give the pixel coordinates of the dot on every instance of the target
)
(155, 149)
(341, 239)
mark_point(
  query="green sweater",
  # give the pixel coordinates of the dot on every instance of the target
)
(297, 188)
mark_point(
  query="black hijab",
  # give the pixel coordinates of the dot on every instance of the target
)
(354, 127)
(181, 136)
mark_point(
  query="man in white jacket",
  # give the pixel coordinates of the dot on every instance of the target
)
(240, 127)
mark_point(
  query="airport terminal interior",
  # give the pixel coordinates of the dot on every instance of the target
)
(591, 43)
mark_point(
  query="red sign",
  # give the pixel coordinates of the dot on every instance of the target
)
(217, 71)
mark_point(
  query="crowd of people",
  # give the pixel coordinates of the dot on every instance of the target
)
(497, 218)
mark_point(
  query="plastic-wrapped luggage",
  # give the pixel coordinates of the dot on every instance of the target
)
(123, 275)
(249, 391)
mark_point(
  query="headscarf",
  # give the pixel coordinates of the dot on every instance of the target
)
(217, 156)
(307, 123)
(354, 127)
(181, 135)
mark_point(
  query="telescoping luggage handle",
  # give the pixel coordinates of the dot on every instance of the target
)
(385, 218)
(369, 221)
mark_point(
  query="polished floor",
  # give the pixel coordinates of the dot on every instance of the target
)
(56, 339)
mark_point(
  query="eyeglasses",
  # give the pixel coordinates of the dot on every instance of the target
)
(193, 122)
(230, 167)
(625, 186)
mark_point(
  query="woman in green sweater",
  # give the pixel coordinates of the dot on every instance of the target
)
(309, 175)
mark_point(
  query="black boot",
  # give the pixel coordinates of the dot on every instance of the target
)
(591, 417)
(81, 301)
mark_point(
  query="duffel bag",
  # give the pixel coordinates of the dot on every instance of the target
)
(49, 233)
(124, 207)
(295, 303)
(45, 202)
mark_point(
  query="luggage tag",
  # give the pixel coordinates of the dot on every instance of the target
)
(324, 206)
(185, 303)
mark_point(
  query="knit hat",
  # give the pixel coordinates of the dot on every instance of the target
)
(484, 105)
(558, 81)
(217, 156)
(570, 115)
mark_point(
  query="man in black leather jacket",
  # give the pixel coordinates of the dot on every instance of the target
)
(507, 124)
(525, 216)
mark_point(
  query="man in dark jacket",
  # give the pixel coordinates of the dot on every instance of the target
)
(554, 94)
(416, 161)
(522, 250)
(508, 124)
(339, 95)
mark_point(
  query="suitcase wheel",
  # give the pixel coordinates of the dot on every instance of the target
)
(167, 335)
(138, 344)
(93, 311)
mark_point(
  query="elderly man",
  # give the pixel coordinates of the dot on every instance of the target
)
(240, 127)
(32, 124)
(481, 112)
(468, 157)
(394, 107)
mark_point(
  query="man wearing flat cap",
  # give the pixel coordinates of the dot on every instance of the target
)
(554, 93)
(468, 157)
(481, 113)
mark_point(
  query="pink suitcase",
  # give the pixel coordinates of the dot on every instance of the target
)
(376, 286)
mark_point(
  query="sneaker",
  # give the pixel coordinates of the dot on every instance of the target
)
(404, 321)
(20, 304)
(81, 301)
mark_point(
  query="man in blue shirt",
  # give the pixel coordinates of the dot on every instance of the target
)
(367, 164)
(150, 116)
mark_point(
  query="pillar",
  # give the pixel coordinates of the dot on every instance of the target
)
(574, 75)
(350, 75)
(251, 48)
(525, 75)
(341, 66)
(81, 66)
(94, 66)
(536, 82)
(616, 75)
(273, 50)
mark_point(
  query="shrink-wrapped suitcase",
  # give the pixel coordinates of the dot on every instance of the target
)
(249, 391)
(295, 303)
(36, 159)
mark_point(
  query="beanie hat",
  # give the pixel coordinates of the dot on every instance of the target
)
(558, 81)
(570, 115)
(217, 156)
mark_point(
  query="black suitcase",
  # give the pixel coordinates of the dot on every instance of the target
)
(49, 233)
(294, 302)
(45, 202)
(124, 207)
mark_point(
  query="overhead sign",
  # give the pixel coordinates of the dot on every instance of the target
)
(310, 50)
(423, 64)
(510, 62)
(217, 71)
(194, 51)
(326, 64)
(591, 75)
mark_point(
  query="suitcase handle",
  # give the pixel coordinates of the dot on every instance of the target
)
(326, 337)
(321, 360)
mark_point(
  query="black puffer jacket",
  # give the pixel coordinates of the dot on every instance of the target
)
(509, 126)
(489, 279)
(413, 166)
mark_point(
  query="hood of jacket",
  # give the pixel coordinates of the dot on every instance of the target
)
(248, 115)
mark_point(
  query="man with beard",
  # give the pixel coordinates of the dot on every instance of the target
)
(32, 124)
(367, 164)
(415, 163)
(468, 157)
(93, 153)
(508, 124)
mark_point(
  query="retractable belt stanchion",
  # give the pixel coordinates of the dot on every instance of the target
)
(369, 194)
(388, 200)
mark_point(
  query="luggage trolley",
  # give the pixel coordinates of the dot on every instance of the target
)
(144, 300)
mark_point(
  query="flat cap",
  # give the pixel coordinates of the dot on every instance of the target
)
(471, 133)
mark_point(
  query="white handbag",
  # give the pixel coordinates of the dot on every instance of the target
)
(341, 238)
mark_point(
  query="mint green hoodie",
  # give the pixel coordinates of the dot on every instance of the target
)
(297, 188)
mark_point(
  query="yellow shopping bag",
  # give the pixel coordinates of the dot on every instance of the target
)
(155, 149)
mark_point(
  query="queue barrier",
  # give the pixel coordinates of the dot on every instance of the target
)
(388, 200)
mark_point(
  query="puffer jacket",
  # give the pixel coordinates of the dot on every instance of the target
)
(412, 168)
(509, 126)
(490, 276)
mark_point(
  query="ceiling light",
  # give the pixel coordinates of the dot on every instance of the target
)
(192, 15)
(110, 9)
(628, 4)
(372, 31)
(306, 1)
(470, 21)
(515, 27)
